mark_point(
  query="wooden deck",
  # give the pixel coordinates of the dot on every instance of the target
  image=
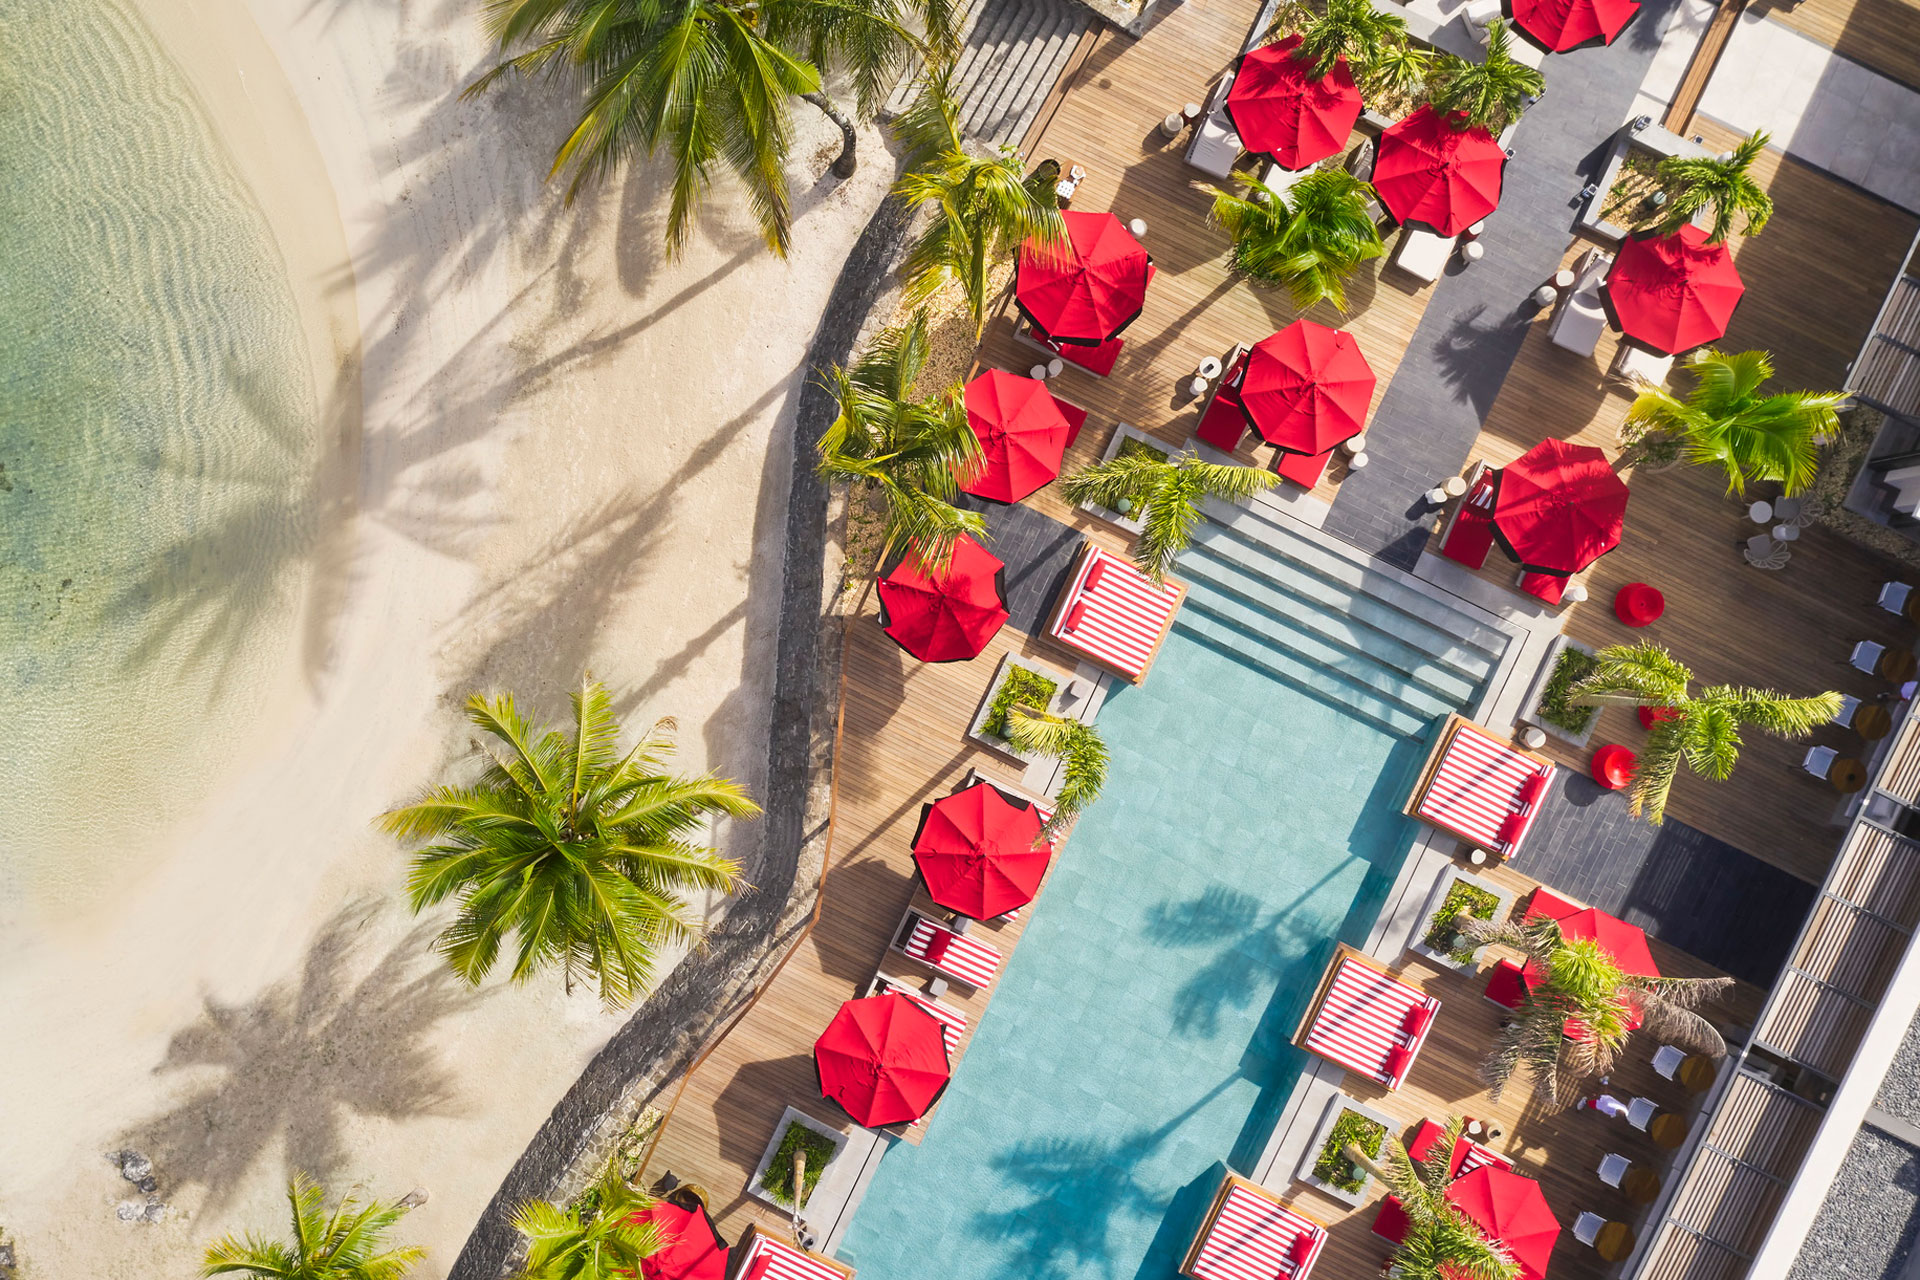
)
(1562, 1151)
(1881, 34)
(1811, 297)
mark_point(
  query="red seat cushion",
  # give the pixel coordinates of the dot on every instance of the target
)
(1399, 1058)
(1223, 425)
(1302, 470)
(1097, 360)
(1469, 540)
(1545, 586)
(1074, 615)
(1076, 418)
(1511, 826)
(1391, 1222)
(1505, 986)
(1424, 1138)
(1418, 1019)
(1533, 788)
(1302, 1249)
(937, 945)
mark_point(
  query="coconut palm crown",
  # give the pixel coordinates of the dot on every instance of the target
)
(711, 82)
(579, 853)
(1719, 183)
(1578, 981)
(1725, 421)
(1488, 94)
(348, 1244)
(578, 1242)
(914, 453)
(1360, 32)
(983, 207)
(1441, 1242)
(1704, 731)
(1076, 744)
(1167, 493)
(1309, 240)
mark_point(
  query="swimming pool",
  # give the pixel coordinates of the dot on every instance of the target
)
(1139, 1037)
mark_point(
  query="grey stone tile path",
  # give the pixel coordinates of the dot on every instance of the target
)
(1465, 343)
(1679, 884)
(1037, 550)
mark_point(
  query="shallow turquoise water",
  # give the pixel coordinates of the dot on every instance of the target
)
(158, 435)
(1139, 1037)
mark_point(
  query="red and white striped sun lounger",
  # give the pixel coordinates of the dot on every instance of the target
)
(1480, 789)
(763, 1257)
(1113, 614)
(954, 954)
(1368, 1021)
(1469, 1155)
(1249, 1235)
(953, 1023)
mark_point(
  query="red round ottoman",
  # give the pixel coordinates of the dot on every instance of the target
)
(1613, 766)
(1638, 603)
(1650, 716)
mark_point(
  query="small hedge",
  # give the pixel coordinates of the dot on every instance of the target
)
(1332, 1167)
(1134, 448)
(1573, 666)
(778, 1179)
(1021, 688)
(1462, 899)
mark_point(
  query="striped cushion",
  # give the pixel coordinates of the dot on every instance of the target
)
(1469, 1155)
(953, 1023)
(1252, 1238)
(769, 1259)
(1477, 786)
(961, 957)
(1362, 1022)
(1114, 614)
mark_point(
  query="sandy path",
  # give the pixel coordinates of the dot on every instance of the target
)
(557, 450)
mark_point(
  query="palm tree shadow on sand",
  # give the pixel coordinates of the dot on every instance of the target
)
(339, 1039)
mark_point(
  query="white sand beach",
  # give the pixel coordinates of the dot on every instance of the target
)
(548, 449)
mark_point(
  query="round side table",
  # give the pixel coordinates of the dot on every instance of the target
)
(1668, 1130)
(1696, 1073)
(1897, 665)
(1209, 367)
(1038, 372)
(1355, 444)
(1613, 766)
(1357, 461)
(1641, 1185)
(1545, 296)
(1614, 1242)
(1456, 486)
(1563, 279)
(1847, 775)
(1760, 512)
(1056, 367)
(1872, 722)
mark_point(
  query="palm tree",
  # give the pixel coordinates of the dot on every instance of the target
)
(1074, 743)
(1167, 492)
(1360, 32)
(711, 81)
(578, 1242)
(914, 453)
(1487, 94)
(1441, 1243)
(1578, 980)
(1310, 240)
(1704, 732)
(1718, 183)
(984, 207)
(581, 852)
(1725, 421)
(348, 1244)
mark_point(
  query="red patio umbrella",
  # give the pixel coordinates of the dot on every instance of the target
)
(1089, 288)
(1626, 943)
(1673, 292)
(1512, 1210)
(694, 1249)
(979, 851)
(1307, 388)
(1559, 507)
(1022, 435)
(944, 615)
(1560, 25)
(883, 1059)
(1278, 107)
(1429, 172)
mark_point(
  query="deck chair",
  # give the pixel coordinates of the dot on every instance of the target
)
(1866, 656)
(1819, 761)
(1893, 596)
(1763, 552)
(1581, 319)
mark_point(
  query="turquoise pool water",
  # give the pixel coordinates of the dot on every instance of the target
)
(158, 435)
(1139, 1037)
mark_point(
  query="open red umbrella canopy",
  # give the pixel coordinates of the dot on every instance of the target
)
(1560, 25)
(694, 1249)
(883, 1058)
(1307, 388)
(1512, 1210)
(944, 615)
(1022, 435)
(1673, 292)
(1087, 289)
(1429, 172)
(1626, 943)
(1559, 507)
(1278, 107)
(980, 852)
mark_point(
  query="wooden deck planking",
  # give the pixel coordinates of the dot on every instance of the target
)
(1811, 297)
(1883, 35)
(1561, 1151)
(1107, 122)
(1706, 56)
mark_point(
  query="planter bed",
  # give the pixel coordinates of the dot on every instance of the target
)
(1322, 1166)
(1463, 890)
(816, 1133)
(1030, 672)
(1564, 659)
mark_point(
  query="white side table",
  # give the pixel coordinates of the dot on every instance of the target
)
(1456, 486)
(1563, 279)
(1210, 367)
(1357, 461)
(1574, 593)
(1138, 226)
(1760, 512)
(1356, 446)
(1038, 372)
(1197, 387)
(1056, 367)
(1545, 296)
(1533, 737)
(1473, 251)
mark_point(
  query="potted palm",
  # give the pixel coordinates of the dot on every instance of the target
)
(1167, 492)
(1722, 184)
(1702, 729)
(1489, 94)
(1307, 241)
(1386, 64)
(1441, 1242)
(1079, 748)
(1577, 980)
(1725, 421)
